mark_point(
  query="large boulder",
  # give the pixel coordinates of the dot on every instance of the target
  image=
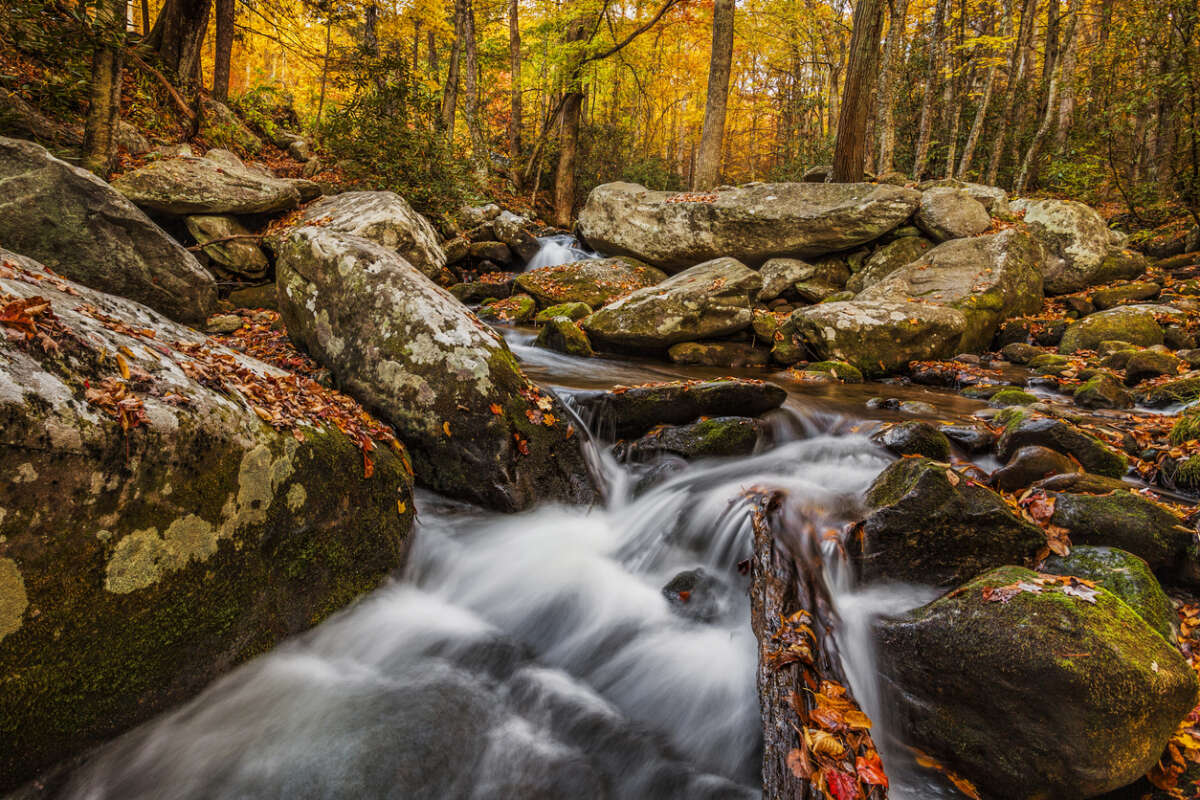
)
(887, 259)
(1035, 687)
(709, 300)
(1093, 455)
(631, 411)
(597, 281)
(750, 223)
(477, 428)
(156, 531)
(1134, 324)
(949, 213)
(1125, 575)
(385, 218)
(1081, 252)
(987, 278)
(75, 223)
(932, 525)
(190, 185)
(228, 244)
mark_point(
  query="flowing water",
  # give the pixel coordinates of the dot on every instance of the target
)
(535, 655)
(561, 248)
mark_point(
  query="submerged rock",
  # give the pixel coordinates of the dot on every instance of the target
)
(696, 594)
(190, 185)
(77, 225)
(1081, 251)
(1030, 464)
(477, 428)
(596, 282)
(156, 531)
(719, 354)
(750, 223)
(1032, 692)
(631, 411)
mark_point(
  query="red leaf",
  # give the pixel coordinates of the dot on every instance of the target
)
(841, 785)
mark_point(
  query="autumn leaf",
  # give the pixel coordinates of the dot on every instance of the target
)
(870, 769)
(841, 785)
(798, 763)
(496, 409)
(446, 428)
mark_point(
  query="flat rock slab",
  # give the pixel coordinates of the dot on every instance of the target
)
(190, 185)
(631, 411)
(750, 223)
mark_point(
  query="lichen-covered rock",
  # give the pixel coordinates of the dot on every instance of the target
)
(987, 278)
(1057, 434)
(886, 260)
(563, 335)
(914, 438)
(992, 198)
(140, 561)
(232, 246)
(1011, 396)
(385, 218)
(1133, 324)
(572, 311)
(631, 411)
(1040, 694)
(190, 185)
(707, 301)
(1080, 251)
(1104, 299)
(1102, 391)
(931, 525)
(1125, 575)
(750, 223)
(1150, 363)
(707, 438)
(948, 213)
(1030, 464)
(597, 281)
(406, 348)
(517, 309)
(780, 275)
(77, 225)
(875, 336)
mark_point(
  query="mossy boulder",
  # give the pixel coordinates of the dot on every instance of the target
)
(1125, 575)
(1012, 396)
(137, 565)
(834, 371)
(572, 311)
(1184, 389)
(1134, 324)
(1057, 434)
(914, 438)
(1150, 363)
(563, 335)
(631, 411)
(1019, 352)
(1102, 391)
(1032, 692)
(596, 282)
(719, 354)
(706, 438)
(1187, 427)
(929, 524)
(1030, 464)
(518, 308)
(478, 429)
(1115, 296)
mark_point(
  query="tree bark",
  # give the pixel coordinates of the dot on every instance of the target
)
(925, 126)
(104, 95)
(850, 147)
(370, 41)
(886, 107)
(450, 90)
(178, 36)
(324, 68)
(1010, 93)
(479, 155)
(1066, 97)
(223, 51)
(1029, 164)
(514, 67)
(708, 161)
(989, 84)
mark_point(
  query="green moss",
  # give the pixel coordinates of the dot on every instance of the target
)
(1187, 427)
(1181, 390)
(1012, 397)
(1012, 416)
(846, 373)
(572, 311)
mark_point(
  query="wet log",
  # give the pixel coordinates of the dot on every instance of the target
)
(816, 740)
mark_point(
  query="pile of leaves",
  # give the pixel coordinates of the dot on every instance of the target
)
(1183, 751)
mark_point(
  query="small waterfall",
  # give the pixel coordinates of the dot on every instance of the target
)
(561, 248)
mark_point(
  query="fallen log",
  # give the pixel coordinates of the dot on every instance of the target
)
(817, 743)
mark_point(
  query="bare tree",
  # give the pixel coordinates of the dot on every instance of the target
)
(223, 48)
(925, 126)
(708, 162)
(1029, 164)
(850, 148)
(886, 107)
(450, 89)
(479, 156)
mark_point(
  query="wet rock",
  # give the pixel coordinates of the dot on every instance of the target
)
(1184, 389)
(914, 438)
(633, 411)
(1081, 253)
(975, 438)
(1113, 709)
(189, 185)
(597, 282)
(1030, 464)
(385, 218)
(696, 594)
(948, 213)
(750, 223)
(829, 371)
(886, 260)
(491, 286)
(1148, 364)
(1126, 576)
(229, 244)
(707, 301)
(931, 525)
(496, 252)
(406, 348)
(1012, 396)
(1102, 391)
(1019, 352)
(138, 565)
(1086, 482)
(77, 225)
(572, 311)
(1129, 293)
(516, 309)
(719, 354)
(563, 335)
(917, 408)
(1134, 324)
(519, 241)
(1056, 434)
(707, 438)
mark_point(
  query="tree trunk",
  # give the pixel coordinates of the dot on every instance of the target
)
(968, 154)
(514, 67)
(450, 90)
(479, 156)
(1029, 164)
(324, 69)
(886, 108)
(1010, 94)
(708, 161)
(431, 54)
(1066, 97)
(564, 175)
(370, 43)
(223, 52)
(416, 48)
(925, 126)
(104, 95)
(178, 36)
(850, 148)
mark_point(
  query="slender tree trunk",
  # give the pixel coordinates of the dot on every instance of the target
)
(104, 95)
(431, 54)
(968, 154)
(932, 74)
(568, 140)
(178, 36)
(1029, 165)
(223, 51)
(1066, 95)
(370, 42)
(886, 107)
(514, 67)
(708, 160)
(145, 18)
(1010, 94)
(479, 155)
(850, 148)
(416, 47)
(324, 68)
(450, 91)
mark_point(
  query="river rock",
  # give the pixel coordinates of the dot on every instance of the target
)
(1112, 297)
(1125, 575)
(1042, 694)
(1102, 391)
(138, 564)
(719, 354)
(948, 213)
(75, 223)
(1183, 389)
(1079, 248)
(780, 276)
(189, 185)
(385, 218)
(1149, 364)
(992, 198)
(915, 438)
(1056, 434)
(709, 300)
(572, 311)
(886, 260)
(597, 281)
(750, 223)
(490, 286)
(508, 229)
(706, 438)
(987, 278)
(240, 256)
(1134, 324)
(929, 524)
(631, 411)
(696, 594)
(1030, 464)
(478, 429)
(563, 335)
